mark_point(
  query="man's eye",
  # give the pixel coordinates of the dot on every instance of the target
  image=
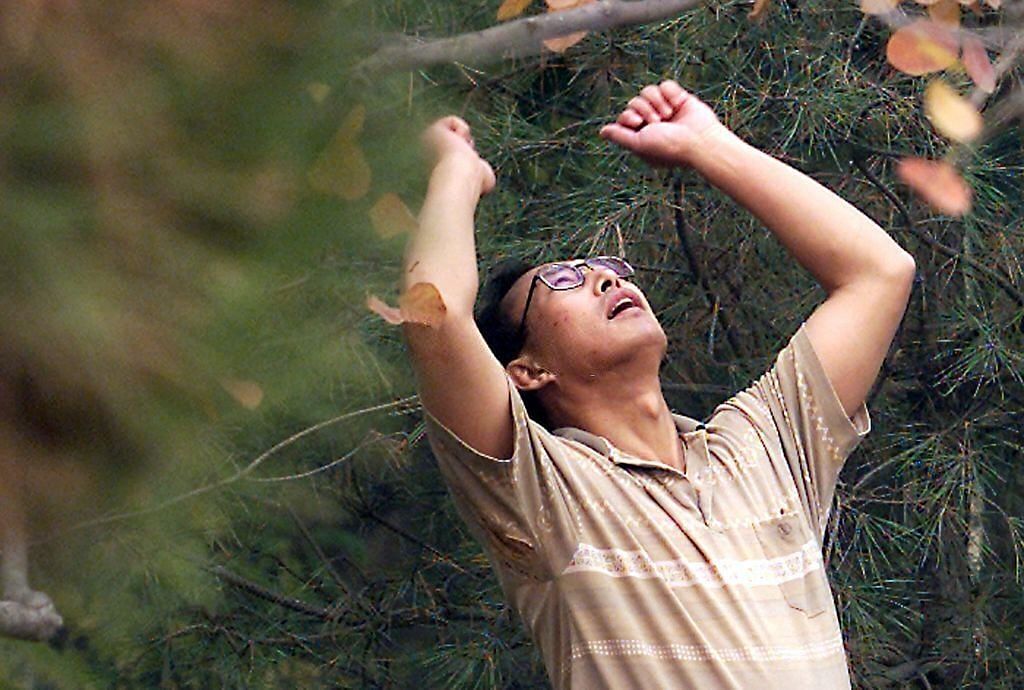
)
(564, 279)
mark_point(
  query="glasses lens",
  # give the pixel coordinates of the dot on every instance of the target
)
(561, 276)
(614, 263)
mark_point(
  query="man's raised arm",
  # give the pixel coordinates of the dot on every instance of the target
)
(867, 276)
(460, 381)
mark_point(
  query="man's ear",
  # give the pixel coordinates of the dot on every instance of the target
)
(527, 374)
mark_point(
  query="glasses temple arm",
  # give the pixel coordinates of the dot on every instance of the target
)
(529, 298)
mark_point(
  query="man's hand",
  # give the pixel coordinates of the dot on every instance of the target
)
(664, 125)
(449, 140)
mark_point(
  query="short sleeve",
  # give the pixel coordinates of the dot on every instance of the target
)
(497, 498)
(815, 433)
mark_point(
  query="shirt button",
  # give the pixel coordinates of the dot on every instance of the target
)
(785, 529)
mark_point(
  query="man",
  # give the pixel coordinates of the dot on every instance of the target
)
(644, 549)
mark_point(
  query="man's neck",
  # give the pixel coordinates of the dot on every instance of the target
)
(627, 409)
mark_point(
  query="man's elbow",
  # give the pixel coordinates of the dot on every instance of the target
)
(889, 280)
(901, 270)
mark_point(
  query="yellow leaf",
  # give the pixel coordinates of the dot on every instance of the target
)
(951, 114)
(422, 304)
(759, 9)
(945, 13)
(922, 47)
(512, 8)
(352, 124)
(342, 171)
(938, 183)
(248, 394)
(390, 216)
(392, 315)
(563, 43)
(977, 64)
(318, 91)
(878, 6)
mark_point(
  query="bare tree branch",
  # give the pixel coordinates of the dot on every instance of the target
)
(520, 37)
(262, 592)
(679, 220)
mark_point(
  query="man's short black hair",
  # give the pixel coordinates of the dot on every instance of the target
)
(501, 332)
(501, 335)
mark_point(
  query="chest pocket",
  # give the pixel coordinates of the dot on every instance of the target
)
(795, 563)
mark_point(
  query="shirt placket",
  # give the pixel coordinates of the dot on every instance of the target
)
(699, 473)
(694, 488)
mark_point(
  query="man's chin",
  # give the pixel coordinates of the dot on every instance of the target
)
(647, 344)
(643, 330)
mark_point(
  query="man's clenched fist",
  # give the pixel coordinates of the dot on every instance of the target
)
(663, 125)
(449, 139)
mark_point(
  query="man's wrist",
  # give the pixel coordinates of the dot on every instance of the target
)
(710, 146)
(459, 170)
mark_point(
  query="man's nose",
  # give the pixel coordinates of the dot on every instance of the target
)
(604, 280)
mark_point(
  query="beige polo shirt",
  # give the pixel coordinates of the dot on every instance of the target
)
(632, 574)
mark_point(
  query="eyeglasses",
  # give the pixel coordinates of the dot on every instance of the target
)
(569, 276)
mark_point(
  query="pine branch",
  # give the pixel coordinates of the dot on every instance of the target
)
(441, 556)
(979, 268)
(714, 304)
(518, 38)
(324, 560)
(262, 592)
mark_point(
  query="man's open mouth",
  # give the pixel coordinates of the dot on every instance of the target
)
(621, 305)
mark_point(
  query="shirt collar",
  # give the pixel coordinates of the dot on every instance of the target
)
(684, 425)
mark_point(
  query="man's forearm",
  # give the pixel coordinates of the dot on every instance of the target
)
(442, 250)
(867, 275)
(834, 241)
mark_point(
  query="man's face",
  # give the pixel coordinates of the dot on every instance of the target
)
(586, 329)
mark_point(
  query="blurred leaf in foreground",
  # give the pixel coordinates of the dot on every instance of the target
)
(878, 6)
(512, 8)
(342, 169)
(421, 303)
(953, 115)
(391, 217)
(922, 47)
(938, 183)
(977, 64)
(945, 13)
(563, 43)
(249, 394)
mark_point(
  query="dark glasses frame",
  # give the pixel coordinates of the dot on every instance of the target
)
(546, 274)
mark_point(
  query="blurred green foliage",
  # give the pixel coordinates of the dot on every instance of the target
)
(163, 243)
